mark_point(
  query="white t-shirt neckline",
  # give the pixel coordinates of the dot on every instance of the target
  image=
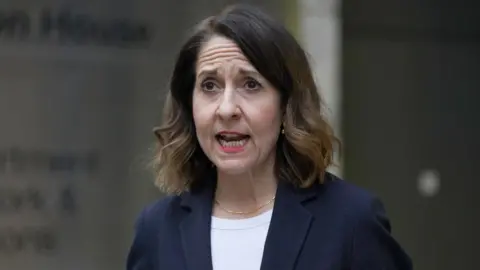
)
(241, 224)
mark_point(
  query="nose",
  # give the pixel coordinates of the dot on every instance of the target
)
(228, 107)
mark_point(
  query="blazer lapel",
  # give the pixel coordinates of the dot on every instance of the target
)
(195, 229)
(288, 228)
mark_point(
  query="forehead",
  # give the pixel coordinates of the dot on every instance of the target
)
(219, 51)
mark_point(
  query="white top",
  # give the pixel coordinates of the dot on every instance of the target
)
(237, 244)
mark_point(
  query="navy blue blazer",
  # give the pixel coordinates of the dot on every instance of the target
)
(330, 226)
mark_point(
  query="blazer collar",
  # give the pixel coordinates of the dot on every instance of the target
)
(195, 226)
(281, 248)
(289, 227)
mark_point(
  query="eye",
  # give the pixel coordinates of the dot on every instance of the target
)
(252, 84)
(209, 85)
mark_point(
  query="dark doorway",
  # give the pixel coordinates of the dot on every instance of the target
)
(411, 88)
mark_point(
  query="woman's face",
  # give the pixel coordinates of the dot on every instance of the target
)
(235, 109)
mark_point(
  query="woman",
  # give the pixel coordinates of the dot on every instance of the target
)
(243, 151)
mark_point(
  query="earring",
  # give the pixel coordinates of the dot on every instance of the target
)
(283, 131)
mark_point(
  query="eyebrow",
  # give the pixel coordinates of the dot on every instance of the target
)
(208, 72)
(241, 70)
(249, 72)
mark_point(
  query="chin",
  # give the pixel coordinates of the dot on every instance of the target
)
(233, 167)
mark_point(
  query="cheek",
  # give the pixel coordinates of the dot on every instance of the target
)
(195, 105)
(201, 124)
(198, 117)
(270, 112)
(201, 118)
(267, 122)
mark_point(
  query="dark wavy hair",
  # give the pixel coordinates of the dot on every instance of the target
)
(304, 151)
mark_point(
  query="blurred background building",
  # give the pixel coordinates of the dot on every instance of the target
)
(82, 84)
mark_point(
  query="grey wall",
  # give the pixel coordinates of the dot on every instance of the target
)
(76, 113)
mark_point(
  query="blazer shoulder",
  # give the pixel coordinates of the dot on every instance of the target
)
(159, 210)
(348, 195)
(352, 203)
(371, 242)
(149, 222)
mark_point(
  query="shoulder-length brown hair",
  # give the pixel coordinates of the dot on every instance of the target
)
(305, 149)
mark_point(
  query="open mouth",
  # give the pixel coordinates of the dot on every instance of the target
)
(232, 140)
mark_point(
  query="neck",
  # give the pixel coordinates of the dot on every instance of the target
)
(245, 192)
